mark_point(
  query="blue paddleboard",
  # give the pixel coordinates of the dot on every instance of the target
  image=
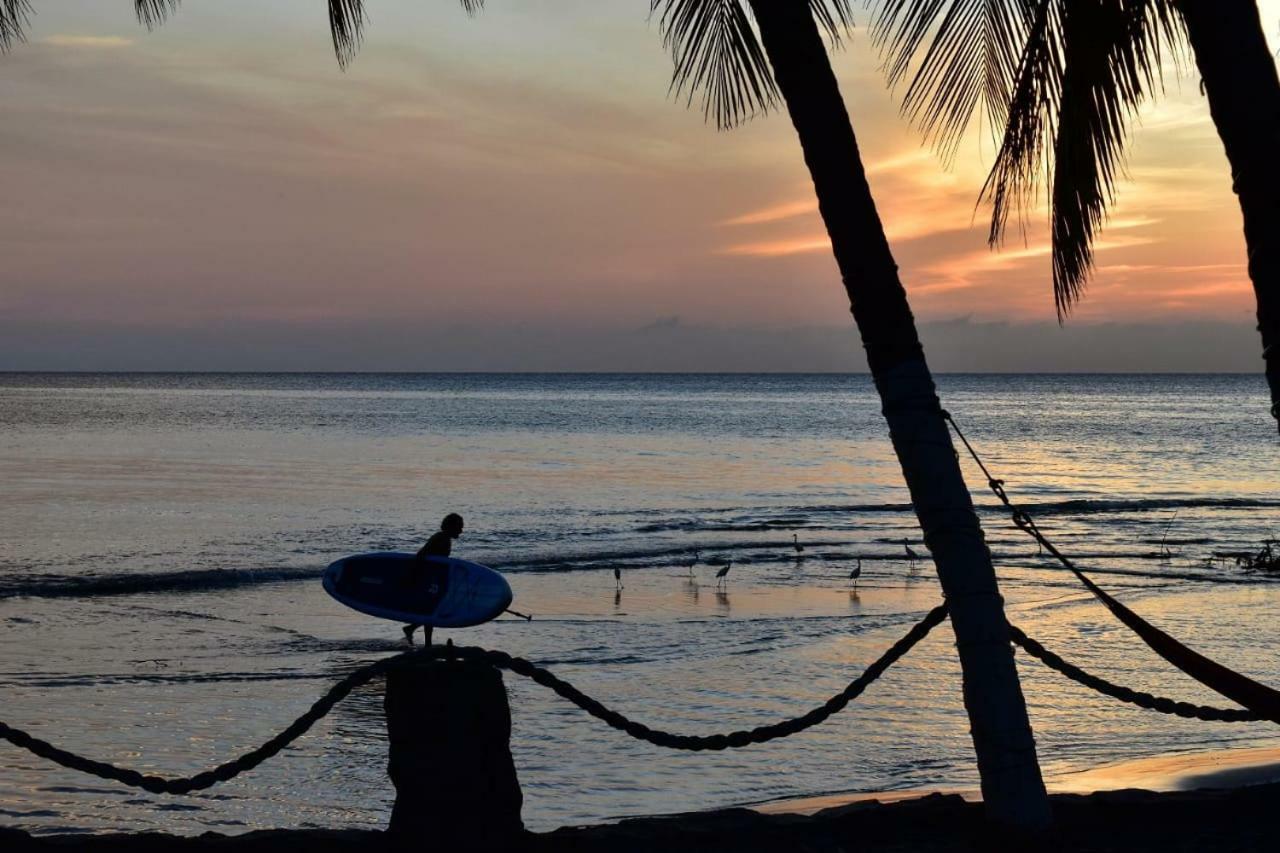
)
(440, 591)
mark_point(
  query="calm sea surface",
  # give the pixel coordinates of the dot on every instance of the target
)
(161, 540)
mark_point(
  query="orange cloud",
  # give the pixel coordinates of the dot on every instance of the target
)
(74, 41)
(780, 248)
(788, 210)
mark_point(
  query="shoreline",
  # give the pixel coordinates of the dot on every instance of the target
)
(1170, 772)
(1239, 819)
(1218, 799)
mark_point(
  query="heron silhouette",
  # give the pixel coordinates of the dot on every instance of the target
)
(693, 561)
(795, 539)
(723, 573)
(856, 573)
(617, 577)
(912, 556)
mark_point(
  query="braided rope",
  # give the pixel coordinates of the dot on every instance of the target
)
(1239, 688)
(221, 773)
(1125, 694)
(501, 660)
(760, 734)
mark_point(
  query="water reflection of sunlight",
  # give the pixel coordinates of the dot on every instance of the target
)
(666, 472)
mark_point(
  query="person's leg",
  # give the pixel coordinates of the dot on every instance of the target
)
(408, 633)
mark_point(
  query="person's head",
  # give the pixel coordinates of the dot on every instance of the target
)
(452, 525)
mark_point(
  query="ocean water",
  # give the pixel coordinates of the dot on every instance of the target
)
(162, 536)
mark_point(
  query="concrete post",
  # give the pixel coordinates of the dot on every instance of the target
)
(449, 727)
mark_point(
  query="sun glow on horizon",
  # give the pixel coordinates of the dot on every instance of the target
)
(198, 174)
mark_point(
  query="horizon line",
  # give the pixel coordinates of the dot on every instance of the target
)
(268, 372)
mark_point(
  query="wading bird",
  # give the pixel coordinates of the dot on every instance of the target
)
(856, 573)
(795, 539)
(617, 577)
(693, 561)
(720, 575)
(912, 556)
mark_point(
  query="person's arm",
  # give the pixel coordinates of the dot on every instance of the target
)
(439, 545)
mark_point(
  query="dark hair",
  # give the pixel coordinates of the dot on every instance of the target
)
(452, 520)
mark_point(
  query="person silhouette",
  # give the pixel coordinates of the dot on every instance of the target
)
(439, 545)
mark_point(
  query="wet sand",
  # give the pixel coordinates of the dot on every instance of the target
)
(1185, 772)
(1194, 771)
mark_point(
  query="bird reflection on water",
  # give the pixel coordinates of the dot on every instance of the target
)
(691, 590)
(722, 600)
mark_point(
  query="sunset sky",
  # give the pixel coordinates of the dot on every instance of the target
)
(218, 193)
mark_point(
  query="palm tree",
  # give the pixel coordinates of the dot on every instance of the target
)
(741, 68)
(1063, 78)
(717, 51)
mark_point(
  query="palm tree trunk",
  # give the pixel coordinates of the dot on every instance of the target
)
(1011, 784)
(1239, 75)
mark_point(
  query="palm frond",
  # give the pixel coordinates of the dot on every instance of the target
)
(13, 18)
(1113, 52)
(346, 23)
(347, 19)
(717, 53)
(1061, 78)
(15, 13)
(152, 13)
(971, 58)
(1023, 155)
(834, 17)
(1097, 62)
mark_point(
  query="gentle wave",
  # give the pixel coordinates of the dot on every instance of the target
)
(1090, 505)
(54, 586)
(801, 517)
(714, 551)
(128, 583)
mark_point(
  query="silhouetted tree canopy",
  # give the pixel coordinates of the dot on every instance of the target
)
(1057, 80)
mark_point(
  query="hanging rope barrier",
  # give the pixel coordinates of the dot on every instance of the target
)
(1257, 697)
(221, 773)
(1125, 694)
(736, 739)
(501, 660)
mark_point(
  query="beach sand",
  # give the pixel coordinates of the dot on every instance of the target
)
(1178, 772)
(1220, 801)
(1224, 821)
